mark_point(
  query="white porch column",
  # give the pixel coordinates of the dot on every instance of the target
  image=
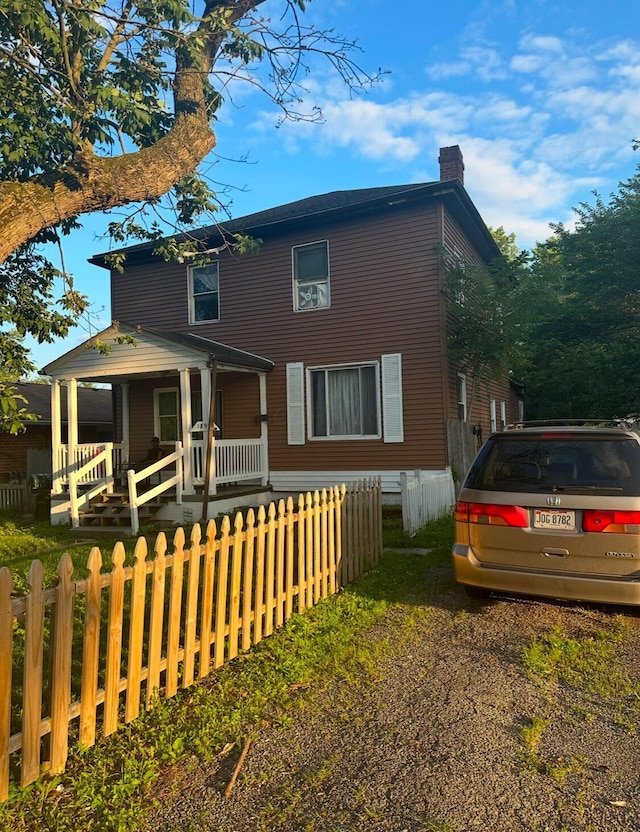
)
(125, 421)
(205, 386)
(185, 414)
(264, 430)
(56, 437)
(72, 421)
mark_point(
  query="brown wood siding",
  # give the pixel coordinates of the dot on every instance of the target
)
(240, 405)
(480, 394)
(385, 298)
(141, 427)
(240, 408)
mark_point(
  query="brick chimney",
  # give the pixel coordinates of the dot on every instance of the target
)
(451, 164)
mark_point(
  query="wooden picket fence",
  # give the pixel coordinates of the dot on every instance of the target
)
(14, 496)
(93, 652)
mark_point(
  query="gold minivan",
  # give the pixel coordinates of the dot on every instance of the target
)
(553, 509)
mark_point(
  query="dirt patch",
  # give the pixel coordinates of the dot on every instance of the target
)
(432, 742)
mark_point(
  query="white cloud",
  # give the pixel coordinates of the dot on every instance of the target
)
(454, 69)
(487, 62)
(531, 150)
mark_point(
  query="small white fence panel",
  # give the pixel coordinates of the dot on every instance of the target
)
(426, 496)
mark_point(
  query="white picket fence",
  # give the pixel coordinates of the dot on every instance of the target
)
(426, 496)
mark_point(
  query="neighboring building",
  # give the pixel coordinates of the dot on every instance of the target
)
(329, 344)
(29, 452)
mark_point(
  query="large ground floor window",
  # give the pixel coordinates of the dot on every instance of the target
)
(344, 401)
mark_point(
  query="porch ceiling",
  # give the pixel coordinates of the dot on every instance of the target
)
(123, 352)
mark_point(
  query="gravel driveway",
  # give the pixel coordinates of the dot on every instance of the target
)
(432, 740)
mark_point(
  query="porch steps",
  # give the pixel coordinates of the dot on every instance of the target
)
(114, 511)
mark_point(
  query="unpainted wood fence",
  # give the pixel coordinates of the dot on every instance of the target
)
(91, 653)
(14, 496)
(426, 496)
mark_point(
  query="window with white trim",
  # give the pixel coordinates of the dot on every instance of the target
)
(462, 397)
(204, 293)
(166, 414)
(311, 276)
(344, 401)
(493, 415)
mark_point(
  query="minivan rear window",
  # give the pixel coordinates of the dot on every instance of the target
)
(551, 463)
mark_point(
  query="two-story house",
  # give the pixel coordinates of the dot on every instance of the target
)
(322, 358)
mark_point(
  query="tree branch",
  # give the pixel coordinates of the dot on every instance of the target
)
(94, 183)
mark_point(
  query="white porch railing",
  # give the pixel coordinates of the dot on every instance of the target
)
(87, 472)
(236, 460)
(83, 454)
(174, 480)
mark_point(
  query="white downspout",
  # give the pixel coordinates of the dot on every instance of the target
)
(264, 431)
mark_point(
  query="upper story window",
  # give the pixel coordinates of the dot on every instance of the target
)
(204, 293)
(311, 276)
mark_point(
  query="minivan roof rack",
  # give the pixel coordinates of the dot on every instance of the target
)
(628, 423)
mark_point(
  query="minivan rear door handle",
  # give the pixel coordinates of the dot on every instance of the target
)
(555, 553)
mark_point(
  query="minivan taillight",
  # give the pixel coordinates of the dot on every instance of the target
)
(616, 522)
(492, 514)
(461, 512)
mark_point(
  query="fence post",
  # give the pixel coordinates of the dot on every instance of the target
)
(91, 649)
(114, 641)
(221, 593)
(136, 631)
(61, 683)
(206, 607)
(191, 612)
(156, 619)
(175, 612)
(339, 542)
(6, 649)
(33, 655)
(247, 586)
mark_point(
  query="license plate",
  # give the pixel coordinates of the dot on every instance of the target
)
(554, 519)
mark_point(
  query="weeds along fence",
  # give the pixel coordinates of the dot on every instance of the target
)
(81, 658)
(426, 496)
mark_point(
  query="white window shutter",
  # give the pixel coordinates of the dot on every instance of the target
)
(295, 403)
(392, 421)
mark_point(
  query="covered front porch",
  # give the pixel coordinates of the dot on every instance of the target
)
(177, 387)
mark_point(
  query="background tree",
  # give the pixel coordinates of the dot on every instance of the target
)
(484, 304)
(582, 351)
(105, 103)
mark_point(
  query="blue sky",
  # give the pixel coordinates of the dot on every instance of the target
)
(542, 97)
